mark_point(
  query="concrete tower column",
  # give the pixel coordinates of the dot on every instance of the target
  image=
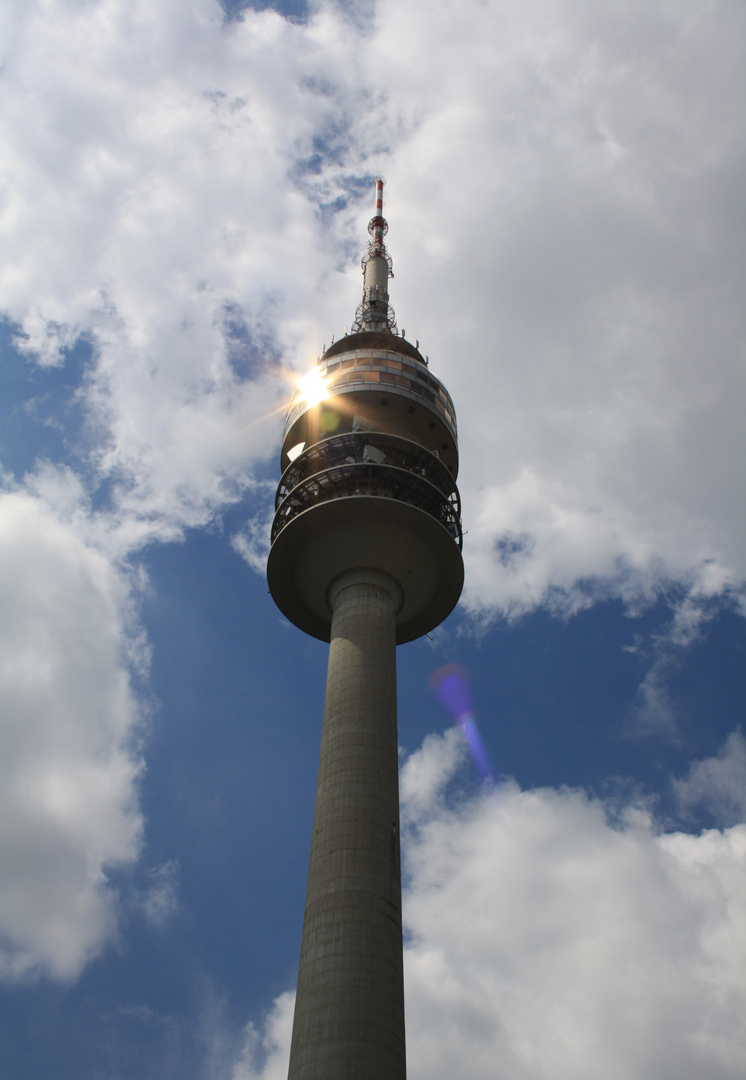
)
(349, 1011)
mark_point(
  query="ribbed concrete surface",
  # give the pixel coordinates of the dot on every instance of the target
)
(349, 1013)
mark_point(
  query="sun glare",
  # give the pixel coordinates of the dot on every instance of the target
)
(313, 387)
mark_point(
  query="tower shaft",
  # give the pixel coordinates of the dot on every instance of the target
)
(349, 1011)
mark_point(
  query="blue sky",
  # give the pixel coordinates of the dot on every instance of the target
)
(185, 194)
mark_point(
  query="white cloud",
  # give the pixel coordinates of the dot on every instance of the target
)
(548, 942)
(426, 774)
(655, 712)
(718, 783)
(265, 1056)
(68, 767)
(252, 542)
(149, 208)
(578, 290)
(574, 269)
(160, 900)
(563, 185)
(545, 941)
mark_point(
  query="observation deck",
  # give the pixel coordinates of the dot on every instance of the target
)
(369, 482)
(368, 463)
(400, 393)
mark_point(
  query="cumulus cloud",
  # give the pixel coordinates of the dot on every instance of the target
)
(184, 192)
(252, 542)
(547, 941)
(188, 197)
(150, 210)
(549, 938)
(654, 711)
(591, 359)
(68, 766)
(264, 1056)
(718, 783)
(426, 775)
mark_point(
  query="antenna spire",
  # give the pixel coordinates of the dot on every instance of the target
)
(375, 312)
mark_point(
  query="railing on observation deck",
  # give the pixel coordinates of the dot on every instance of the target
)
(368, 463)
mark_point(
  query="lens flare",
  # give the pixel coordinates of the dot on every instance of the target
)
(313, 387)
(451, 687)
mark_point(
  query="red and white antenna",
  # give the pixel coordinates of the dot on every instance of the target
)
(378, 227)
(375, 312)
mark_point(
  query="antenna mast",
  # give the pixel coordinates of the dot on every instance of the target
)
(375, 312)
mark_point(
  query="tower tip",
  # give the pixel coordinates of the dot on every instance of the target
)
(375, 312)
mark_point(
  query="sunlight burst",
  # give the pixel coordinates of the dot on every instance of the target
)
(314, 387)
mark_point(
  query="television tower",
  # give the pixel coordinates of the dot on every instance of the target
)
(366, 554)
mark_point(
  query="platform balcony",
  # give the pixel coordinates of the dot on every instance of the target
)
(369, 463)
